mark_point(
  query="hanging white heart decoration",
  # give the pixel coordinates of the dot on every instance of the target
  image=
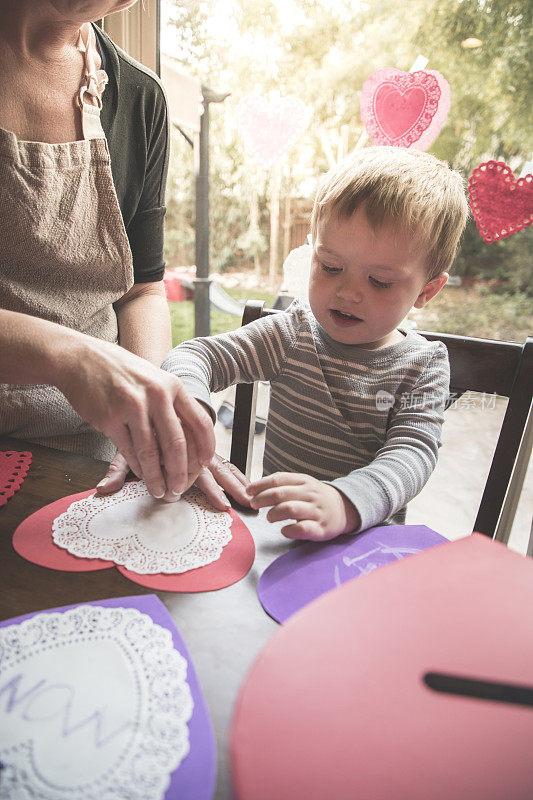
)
(269, 129)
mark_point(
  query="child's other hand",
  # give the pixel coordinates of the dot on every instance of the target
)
(321, 512)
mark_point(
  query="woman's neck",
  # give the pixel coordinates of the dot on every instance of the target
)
(36, 32)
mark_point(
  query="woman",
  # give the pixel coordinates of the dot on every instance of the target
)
(83, 163)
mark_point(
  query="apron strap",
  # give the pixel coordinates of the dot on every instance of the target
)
(92, 88)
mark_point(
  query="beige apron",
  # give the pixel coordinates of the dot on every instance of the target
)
(64, 257)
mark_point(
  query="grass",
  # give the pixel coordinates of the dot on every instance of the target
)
(182, 314)
(479, 311)
(476, 311)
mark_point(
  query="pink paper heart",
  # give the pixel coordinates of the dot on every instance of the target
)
(14, 467)
(270, 129)
(501, 205)
(404, 109)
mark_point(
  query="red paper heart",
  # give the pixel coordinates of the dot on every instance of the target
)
(13, 469)
(404, 109)
(33, 541)
(501, 205)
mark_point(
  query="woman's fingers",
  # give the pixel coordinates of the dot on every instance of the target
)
(173, 451)
(114, 477)
(230, 478)
(122, 438)
(207, 483)
(147, 451)
(196, 418)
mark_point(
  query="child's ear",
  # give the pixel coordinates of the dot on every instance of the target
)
(431, 289)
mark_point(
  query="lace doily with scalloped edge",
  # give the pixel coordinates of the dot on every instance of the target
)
(144, 535)
(95, 706)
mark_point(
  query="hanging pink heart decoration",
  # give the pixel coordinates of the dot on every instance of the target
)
(501, 205)
(270, 129)
(404, 109)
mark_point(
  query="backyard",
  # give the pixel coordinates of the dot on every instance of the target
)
(473, 311)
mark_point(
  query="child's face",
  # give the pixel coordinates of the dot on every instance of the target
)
(364, 282)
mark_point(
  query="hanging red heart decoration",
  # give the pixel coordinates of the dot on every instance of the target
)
(501, 204)
(404, 109)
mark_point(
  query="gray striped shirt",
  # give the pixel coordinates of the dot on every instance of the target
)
(366, 421)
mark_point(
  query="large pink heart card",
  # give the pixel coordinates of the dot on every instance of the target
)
(269, 129)
(501, 204)
(404, 109)
(183, 547)
(413, 682)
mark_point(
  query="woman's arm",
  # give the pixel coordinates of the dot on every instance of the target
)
(123, 396)
(144, 329)
(144, 321)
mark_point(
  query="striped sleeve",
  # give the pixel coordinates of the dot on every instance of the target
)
(408, 456)
(257, 351)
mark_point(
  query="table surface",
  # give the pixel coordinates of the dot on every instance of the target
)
(223, 630)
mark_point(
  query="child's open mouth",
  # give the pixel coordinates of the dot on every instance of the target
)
(341, 318)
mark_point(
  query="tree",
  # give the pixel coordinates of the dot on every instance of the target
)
(323, 51)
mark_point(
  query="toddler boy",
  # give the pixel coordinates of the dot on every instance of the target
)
(356, 404)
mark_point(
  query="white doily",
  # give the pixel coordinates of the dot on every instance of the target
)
(144, 535)
(94, 705)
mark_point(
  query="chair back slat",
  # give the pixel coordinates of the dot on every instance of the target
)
(480, 365)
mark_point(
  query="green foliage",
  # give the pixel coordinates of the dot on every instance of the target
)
(479, 311)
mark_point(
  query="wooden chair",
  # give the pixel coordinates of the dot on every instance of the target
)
(478, 365)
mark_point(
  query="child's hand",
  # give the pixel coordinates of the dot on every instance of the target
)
(321, 511)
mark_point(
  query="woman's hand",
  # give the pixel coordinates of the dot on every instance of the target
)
(221, 475)
(321, 511)
(218, 476)
(164, 435)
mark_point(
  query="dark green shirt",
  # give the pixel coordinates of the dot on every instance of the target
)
(135, 121)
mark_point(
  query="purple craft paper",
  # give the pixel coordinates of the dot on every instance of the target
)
(194, 779)
(300, 576)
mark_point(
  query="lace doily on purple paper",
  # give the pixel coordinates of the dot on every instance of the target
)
(142, 534)
(95, 705)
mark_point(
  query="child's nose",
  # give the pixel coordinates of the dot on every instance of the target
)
(350, 291)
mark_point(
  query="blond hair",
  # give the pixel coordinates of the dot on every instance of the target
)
(408, 188)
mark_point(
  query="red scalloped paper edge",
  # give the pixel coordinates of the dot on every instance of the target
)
(33, 541)
(493, 192)
(12, 478)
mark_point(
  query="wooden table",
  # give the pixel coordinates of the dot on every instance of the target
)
(223, 630)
